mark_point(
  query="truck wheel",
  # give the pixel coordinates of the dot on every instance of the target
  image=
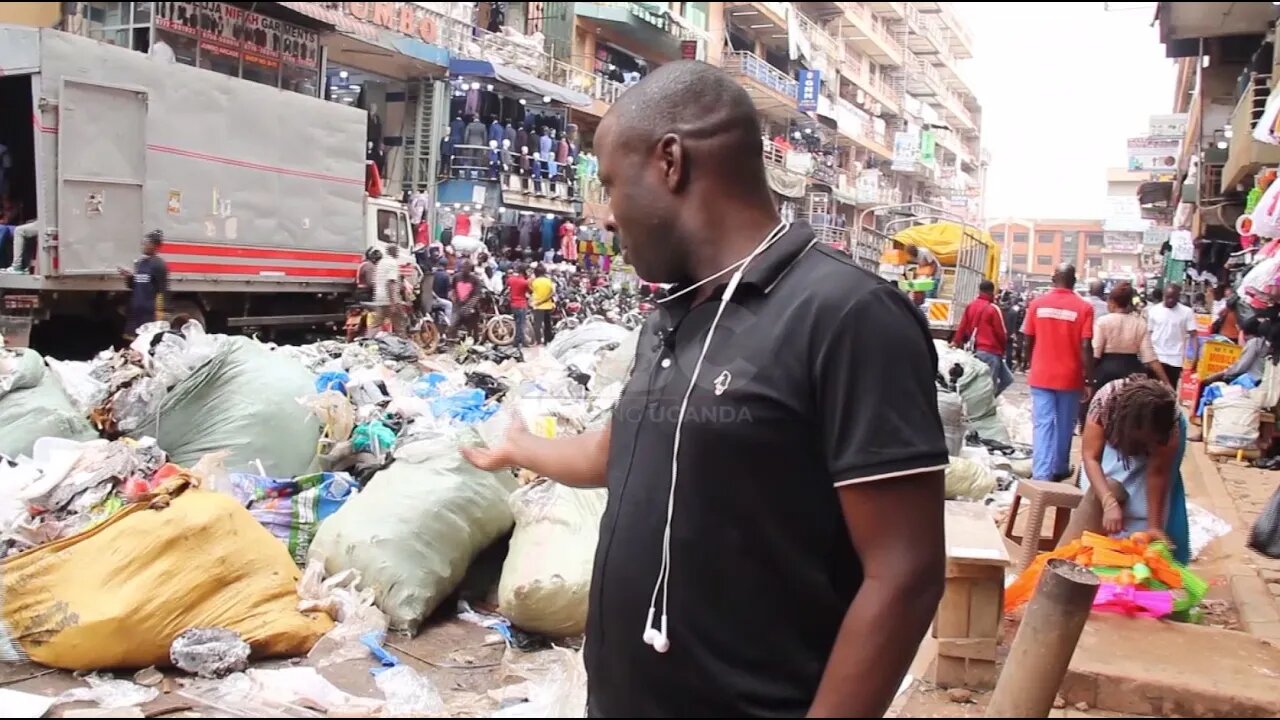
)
(500, 330)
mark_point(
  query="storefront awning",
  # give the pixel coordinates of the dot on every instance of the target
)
(519, 78)
(844, 196)
(369, 47)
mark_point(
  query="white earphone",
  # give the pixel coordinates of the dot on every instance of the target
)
(657, 637)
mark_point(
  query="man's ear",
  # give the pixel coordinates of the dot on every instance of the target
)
(674, 162)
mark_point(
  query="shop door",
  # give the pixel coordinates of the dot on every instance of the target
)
(102, 166)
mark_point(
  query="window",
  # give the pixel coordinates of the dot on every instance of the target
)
(1044, 238)
(1068, 237)
(127, 24)
(391, 229)
(1095, 240)
(1019, 237)
(1093, 262)
(999, 238)
(1044, 259)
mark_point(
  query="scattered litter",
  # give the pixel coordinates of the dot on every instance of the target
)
(209, 652)
(408, 693)
(109, 692)
(148, 677)
(1205, 528)
(557, 686)
(18, 704)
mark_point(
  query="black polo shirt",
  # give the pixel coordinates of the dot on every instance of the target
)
(820, 375)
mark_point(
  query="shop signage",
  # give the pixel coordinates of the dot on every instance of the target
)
(928, 149)
(1156, 236)
(867, 187)
(1153, 153)
(688, 49)
(906, 151)
(1181, 246)
(403, 17)
(810, 82)
(1168, 125)
(227, 30)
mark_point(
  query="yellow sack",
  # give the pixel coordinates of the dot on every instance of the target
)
(115, 596)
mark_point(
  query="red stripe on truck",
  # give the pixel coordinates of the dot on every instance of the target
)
(181, 248)
(275, 169)
(258, 270)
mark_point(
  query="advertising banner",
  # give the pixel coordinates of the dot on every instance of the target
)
(810, 82)
(1153, 153)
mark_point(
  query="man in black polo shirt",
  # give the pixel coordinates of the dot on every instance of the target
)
(773, 540)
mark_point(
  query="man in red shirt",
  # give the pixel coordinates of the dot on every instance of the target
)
(983, 324)
(1059, 327)
(518, 289)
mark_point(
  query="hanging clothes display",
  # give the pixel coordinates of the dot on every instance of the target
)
(462, 224)
(456, 126)
(548, 233)
(568, 242)
(527, 227)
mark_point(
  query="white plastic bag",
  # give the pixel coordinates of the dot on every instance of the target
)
(968, 479)
(546, 578)
(557, 691)
(408, 694)
(1235, 424)
(951, 408)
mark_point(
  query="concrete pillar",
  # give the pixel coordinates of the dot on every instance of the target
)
(716, 34)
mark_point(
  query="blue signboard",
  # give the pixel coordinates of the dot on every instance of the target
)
(810, 81)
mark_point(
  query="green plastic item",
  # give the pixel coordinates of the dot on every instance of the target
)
(243, 400)
(36, 406)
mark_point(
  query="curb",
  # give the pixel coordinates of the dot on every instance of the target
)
(1259, 612)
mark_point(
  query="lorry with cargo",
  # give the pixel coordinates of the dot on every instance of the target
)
(966, 253)
(260, 192)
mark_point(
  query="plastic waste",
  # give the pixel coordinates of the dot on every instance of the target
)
(557, 689)
(415, 528)
(292, 509)
(86, 391)
(109, 692)
(332, 380)
(546, 578)
(951, 408)
(209, 652)
(1235, 425)
(1264, 537)
(408, 693)
(342, 598)
(968, 479)
(374, 437)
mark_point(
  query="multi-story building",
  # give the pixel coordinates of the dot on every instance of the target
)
(873, 94)
(868, 99)
(1031, 248)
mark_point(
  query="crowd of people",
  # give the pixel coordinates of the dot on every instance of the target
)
(1108, 365)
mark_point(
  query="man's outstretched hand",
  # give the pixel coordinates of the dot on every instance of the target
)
(505, 454)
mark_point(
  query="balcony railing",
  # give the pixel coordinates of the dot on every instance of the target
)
(874, 25)
(1245, 154)
(753, 66)
(831, 234)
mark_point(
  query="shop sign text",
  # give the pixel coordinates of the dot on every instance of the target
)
(405, 18)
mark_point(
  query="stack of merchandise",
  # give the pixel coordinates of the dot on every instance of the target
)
(1139, 577)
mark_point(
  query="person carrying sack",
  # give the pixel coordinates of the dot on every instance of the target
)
(982, 330)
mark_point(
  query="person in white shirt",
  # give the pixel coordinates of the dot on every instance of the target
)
(388, 294)
(1171, 323)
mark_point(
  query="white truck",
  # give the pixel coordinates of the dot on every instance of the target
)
(260, 192)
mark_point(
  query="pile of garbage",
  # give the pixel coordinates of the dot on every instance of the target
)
(211, 470)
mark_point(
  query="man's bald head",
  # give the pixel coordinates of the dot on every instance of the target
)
(680, 147)
(1064, 276)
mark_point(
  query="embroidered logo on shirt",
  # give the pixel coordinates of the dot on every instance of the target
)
(722, 382)
(1053, 313)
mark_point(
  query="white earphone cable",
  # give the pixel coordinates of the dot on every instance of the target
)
(657, 637)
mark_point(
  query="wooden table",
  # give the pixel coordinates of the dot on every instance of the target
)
(967, 626)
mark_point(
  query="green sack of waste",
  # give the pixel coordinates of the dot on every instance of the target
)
(244, 400)
(35, 406)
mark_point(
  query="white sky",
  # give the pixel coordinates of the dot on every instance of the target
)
(1061, 85)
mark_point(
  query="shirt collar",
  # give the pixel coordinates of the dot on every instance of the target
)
(769, 267)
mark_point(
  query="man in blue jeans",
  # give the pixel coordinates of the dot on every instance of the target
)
(983, 325)
(1059, 331)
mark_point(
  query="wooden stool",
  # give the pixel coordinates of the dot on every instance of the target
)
(967, 626)
(1063, 497)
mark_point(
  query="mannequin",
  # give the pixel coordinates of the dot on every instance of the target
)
(546, 151)
(495, 162)
(446, 154)
(456, 126)
(562, 151)
(509, 134)
(474, 136)
(527, 165)
(496, 133)
(505, 155)
(522, 136)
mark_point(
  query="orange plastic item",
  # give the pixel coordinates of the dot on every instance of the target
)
(1093, 550)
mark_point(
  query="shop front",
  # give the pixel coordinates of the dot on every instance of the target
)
(224, 38)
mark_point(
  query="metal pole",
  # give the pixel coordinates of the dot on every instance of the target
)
(1045, 642)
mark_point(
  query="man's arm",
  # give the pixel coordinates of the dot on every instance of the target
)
(897, 529)
(886, 453)
(578, 461)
